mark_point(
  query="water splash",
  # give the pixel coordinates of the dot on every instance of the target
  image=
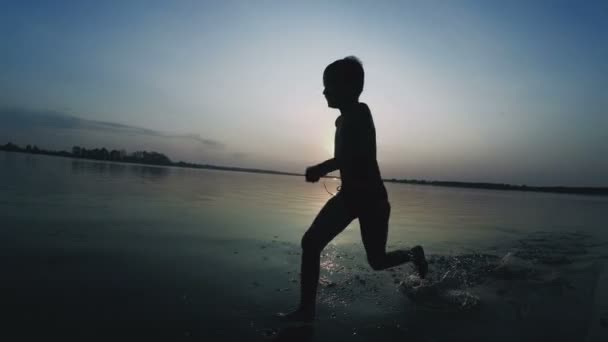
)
(455, 283)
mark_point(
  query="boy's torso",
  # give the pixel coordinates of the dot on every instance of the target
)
(355, 148)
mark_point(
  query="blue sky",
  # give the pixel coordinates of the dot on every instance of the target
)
(496, 91)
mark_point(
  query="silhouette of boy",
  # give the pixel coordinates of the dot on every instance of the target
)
(362, 194)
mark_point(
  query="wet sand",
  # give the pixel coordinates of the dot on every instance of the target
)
(62, 283)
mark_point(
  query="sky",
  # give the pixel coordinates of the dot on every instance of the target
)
(494, 91)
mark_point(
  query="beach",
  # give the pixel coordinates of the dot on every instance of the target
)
(102, 251)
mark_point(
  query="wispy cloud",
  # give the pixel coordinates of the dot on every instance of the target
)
(20, 118)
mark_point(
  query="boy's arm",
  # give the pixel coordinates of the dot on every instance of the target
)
(314, 173)
(327, 166)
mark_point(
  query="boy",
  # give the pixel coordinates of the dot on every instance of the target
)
(362, 193)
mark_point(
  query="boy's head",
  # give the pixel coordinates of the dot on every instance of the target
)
(343, 82)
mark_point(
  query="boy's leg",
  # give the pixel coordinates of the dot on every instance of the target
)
(373, 221)
(333, 218)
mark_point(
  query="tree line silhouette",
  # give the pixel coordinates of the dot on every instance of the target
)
(141, 157)
(156, 158)
(501, 186)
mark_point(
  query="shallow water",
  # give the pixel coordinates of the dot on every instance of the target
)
(95, 249)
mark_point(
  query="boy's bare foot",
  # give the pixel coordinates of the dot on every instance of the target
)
(419, 261)
(298, 315)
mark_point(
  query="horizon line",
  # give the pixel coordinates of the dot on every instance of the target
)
(584, 190)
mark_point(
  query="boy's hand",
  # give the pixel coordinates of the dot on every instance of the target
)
(313, 174)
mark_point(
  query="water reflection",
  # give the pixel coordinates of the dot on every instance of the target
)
(80, 166)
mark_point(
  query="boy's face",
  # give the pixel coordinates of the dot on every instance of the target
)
(332, 93)
(330, 96)
(335, 95)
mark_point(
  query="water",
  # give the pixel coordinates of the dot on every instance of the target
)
(210, 254)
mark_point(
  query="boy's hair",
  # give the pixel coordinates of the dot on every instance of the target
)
(346, 72)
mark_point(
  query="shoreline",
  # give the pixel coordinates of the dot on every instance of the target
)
(567, 190)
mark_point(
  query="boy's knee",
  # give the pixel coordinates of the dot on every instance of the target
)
(309, 243)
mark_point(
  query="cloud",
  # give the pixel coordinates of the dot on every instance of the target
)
(197, 137)
(20, 118)
(239, 155)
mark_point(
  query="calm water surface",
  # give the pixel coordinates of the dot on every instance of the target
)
(232, 205)
(92, 249)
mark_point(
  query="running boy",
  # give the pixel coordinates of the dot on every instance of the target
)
(362, 193)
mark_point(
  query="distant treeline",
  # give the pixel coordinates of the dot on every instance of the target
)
(142, 157)
(139, 157)
(499, 186)
(156, 158)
